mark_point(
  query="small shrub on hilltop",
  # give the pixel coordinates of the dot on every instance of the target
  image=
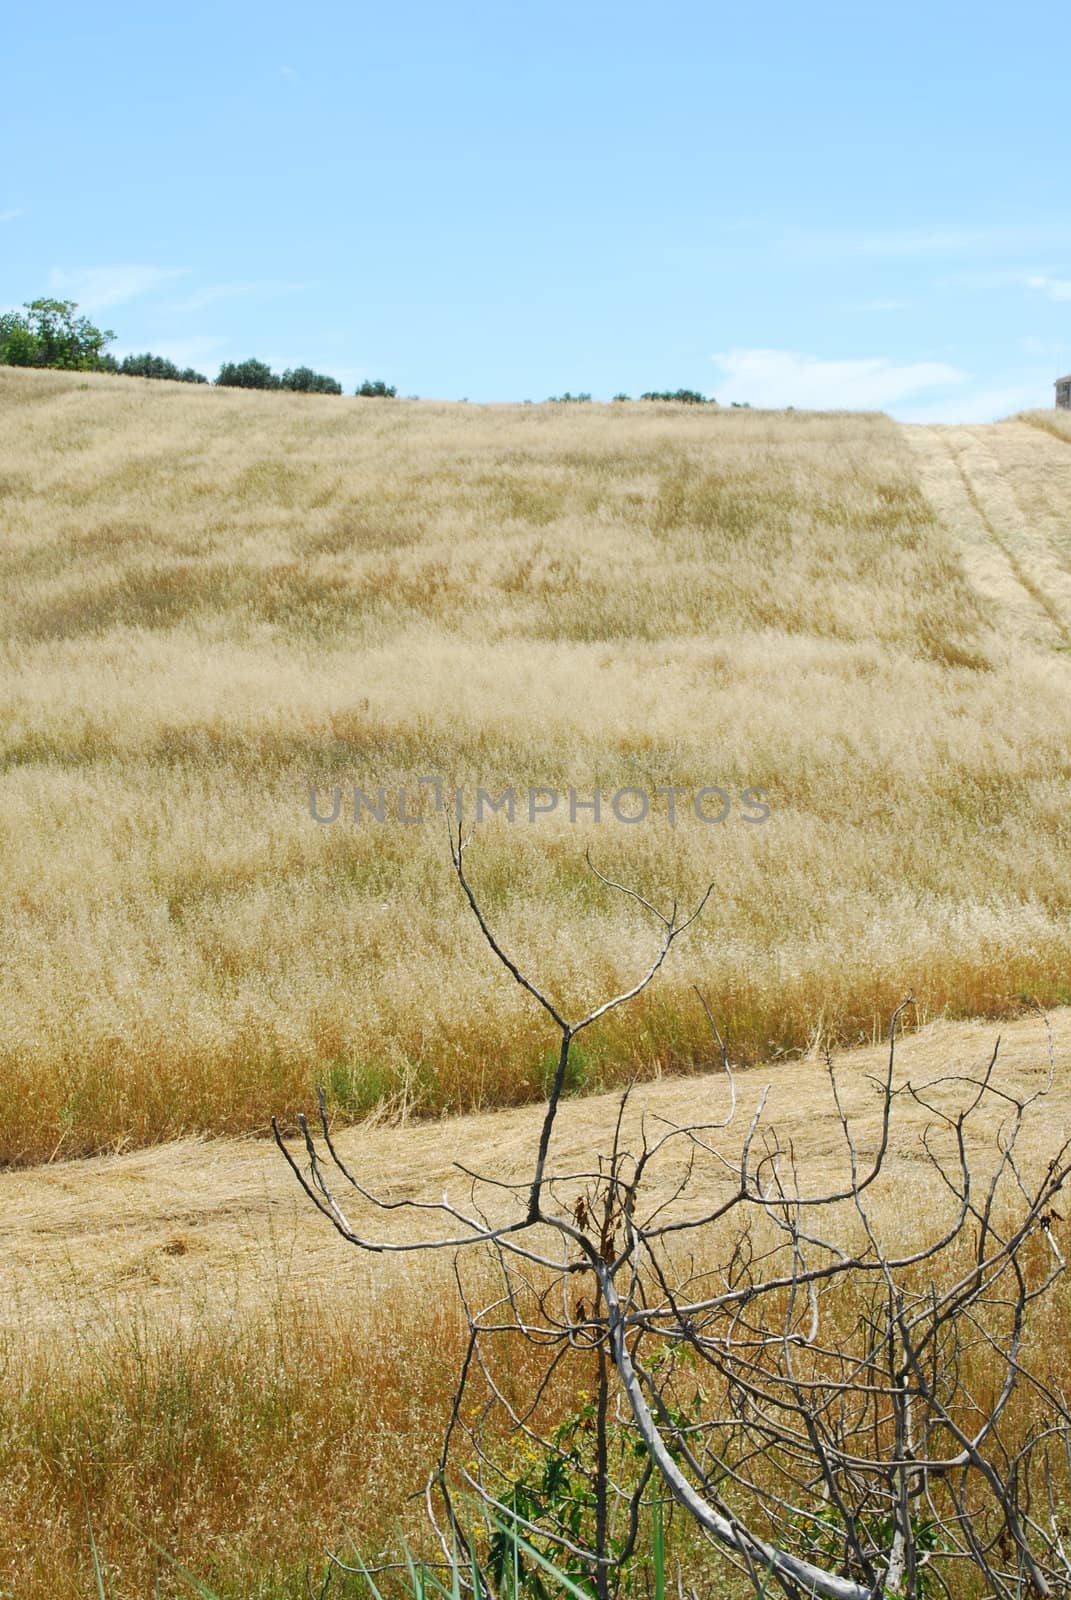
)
(249, 374)
(574, 399)
(304, 381)
(150, 366)
(688, 397)
(376, 389)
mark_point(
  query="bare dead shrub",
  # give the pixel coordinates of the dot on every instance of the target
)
(842, 1410)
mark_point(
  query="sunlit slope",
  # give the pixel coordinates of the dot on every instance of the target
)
(216, 596)
(1004, 492)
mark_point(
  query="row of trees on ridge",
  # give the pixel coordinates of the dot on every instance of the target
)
(50, 333)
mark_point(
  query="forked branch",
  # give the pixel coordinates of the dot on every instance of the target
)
(878, 1413)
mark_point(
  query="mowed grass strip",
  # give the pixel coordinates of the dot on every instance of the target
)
(190, 1354)
(216, 598)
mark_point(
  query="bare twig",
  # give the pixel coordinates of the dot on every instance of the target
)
(859, 1433)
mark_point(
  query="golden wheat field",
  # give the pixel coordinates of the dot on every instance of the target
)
(215, 599)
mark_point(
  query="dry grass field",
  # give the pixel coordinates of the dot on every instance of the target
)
(215, 598)
(194, 1355)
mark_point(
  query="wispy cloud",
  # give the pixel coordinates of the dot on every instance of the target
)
(1031, 345)
(9, 216)
(1054, 288)
(981, 278)
(921, 242)
(202, 351)
(932, 241)
(879, 305)
(98, 288)
(788, 378)
(936, 241)
(990, 403)
(255, 289)
(290, 75)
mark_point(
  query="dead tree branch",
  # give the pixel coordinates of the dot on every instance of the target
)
(878, 1410)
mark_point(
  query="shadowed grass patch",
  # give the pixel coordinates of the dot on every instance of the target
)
(166, 596)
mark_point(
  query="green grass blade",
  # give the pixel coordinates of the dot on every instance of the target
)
(195, 1583)
(659, 1551)
(368, 1578)
(97, 1572)
(559, 1577)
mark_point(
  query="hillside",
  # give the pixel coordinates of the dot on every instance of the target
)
(217, 596)
(214, 597)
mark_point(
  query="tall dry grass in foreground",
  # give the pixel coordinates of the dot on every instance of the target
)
(245, 1450)
(214, 597)
(247, 1444)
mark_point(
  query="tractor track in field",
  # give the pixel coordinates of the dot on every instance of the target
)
(207, 1228)
(1003, 493)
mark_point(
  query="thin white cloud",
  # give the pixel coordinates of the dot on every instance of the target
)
(879, 305)
(925, 241)
(201, 352)
(776, 378)
(1031, 345)
(740, 224)
(9, 216)
(987, 404)
(981, 278)
(1054, 288)
(259, 289)
(934, 240)
(289, 74)
(98, 288)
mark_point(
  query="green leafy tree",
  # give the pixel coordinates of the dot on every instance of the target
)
(18, 346)
(47, 333)
(249, 374)
(376, 389)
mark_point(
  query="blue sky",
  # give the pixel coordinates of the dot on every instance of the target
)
(786, 204)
